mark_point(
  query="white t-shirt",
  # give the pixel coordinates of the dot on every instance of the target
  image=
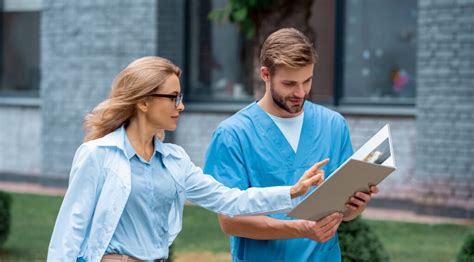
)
(290, 127)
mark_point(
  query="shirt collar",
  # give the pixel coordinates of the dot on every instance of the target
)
(129, 150)
(118, 138)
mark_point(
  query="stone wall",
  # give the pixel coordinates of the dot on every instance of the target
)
(84, 44)
(445, 105)
(20, 140)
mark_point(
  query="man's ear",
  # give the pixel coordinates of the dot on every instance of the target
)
(265, 73)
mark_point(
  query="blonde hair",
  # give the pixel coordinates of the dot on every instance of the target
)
(287, 47)
(139, 79)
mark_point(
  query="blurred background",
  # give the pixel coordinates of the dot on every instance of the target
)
(406, 63)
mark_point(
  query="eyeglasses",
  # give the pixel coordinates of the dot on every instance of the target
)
(176, 98)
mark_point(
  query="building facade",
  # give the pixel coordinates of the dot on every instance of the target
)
(406, 63)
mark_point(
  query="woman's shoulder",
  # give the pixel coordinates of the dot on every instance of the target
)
(91, 145)
(174, 150)
(95, 149)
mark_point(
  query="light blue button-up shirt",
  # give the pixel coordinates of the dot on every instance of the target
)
(142, 231)
(100, 185)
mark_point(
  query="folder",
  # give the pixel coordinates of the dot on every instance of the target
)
(369, 165)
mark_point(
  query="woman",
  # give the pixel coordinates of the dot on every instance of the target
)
(127, 189)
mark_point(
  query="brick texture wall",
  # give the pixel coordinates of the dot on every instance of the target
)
(20, 140)
(445, 103)
(194, 133)
(84, 44)
(399, 185)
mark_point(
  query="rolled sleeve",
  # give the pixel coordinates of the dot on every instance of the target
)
(207, 192)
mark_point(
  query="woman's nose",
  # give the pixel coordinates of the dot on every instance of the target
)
(180, 106)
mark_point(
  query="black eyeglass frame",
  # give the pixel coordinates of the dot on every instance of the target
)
(177, 98)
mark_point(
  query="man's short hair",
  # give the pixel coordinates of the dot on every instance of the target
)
(287, 47)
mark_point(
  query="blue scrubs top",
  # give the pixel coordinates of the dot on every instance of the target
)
(249, 150)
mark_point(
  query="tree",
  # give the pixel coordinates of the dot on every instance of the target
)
(257, 19)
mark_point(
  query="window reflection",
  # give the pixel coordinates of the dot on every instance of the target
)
(380, 51)
(19, 67)
(217, 56)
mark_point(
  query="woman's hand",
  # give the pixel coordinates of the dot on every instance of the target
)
(311, 177)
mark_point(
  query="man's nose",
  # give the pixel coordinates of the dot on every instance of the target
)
(300, 91)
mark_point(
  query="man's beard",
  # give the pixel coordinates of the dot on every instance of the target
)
(280, 102)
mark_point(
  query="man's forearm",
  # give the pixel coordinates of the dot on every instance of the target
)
(260, 227)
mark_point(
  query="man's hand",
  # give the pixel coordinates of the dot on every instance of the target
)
(311, 177)
(323, 230)
(358, 202)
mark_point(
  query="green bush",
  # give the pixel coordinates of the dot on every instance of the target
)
(5, 201)
(466, 254)
(360, 243)
(171, 253)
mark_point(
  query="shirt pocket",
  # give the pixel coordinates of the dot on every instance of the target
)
(115, 180)
(112, 199)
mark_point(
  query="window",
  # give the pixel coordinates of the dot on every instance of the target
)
(375, 50)
(216, 57)
(19, 45)
(379, 51)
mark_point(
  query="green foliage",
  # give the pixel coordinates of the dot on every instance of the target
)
(32, 222)
(466, 254)
(171, 253)
(241, 13)
(360, 243)
(198, 225)
(5, 203)
(33, 216)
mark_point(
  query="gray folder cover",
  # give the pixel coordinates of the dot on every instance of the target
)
(332, 195)
(369, 165)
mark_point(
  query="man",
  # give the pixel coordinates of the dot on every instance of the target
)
(272, 142)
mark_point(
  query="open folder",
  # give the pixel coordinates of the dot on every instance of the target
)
(369, 165)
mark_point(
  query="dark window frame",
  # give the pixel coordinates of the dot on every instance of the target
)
(339, 67)
(188, 86)
(337, 102)
(8, 93)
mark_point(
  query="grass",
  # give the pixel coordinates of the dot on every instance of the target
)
(421, 242)
(33, 218)
(404, 241)
(201, 231)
